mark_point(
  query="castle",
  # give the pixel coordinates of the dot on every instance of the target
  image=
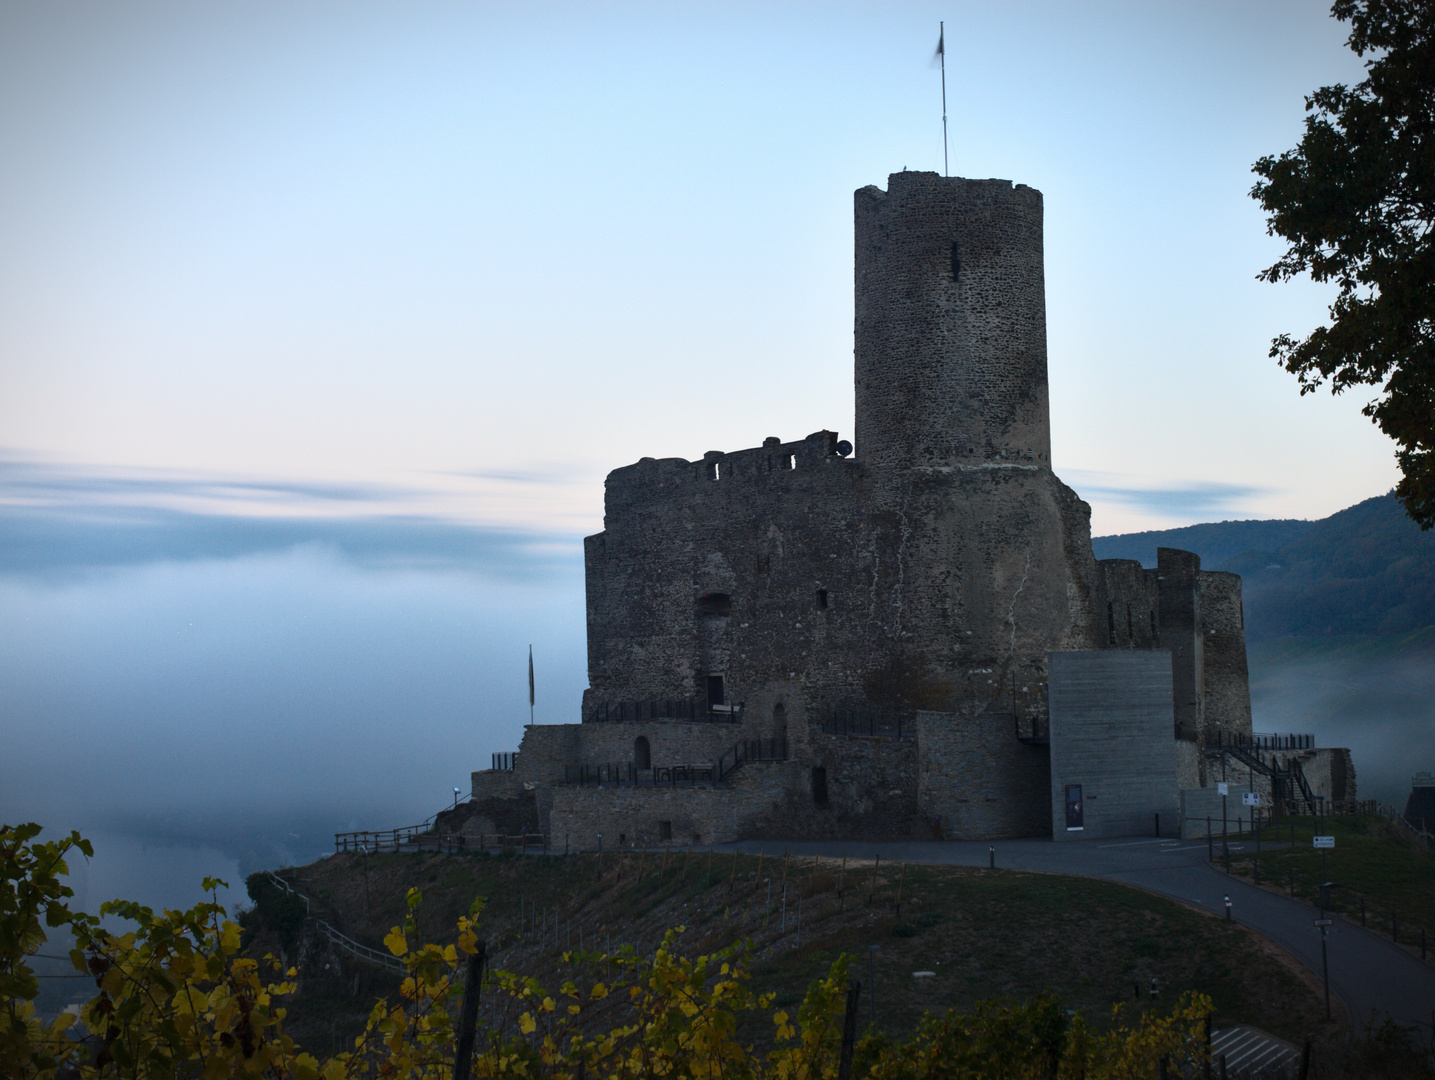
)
(906, 636)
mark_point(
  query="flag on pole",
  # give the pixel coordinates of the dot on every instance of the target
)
(530, 677)
(941, 46)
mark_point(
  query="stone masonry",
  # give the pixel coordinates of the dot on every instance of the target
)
(883, 616)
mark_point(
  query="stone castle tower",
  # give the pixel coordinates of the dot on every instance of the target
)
(950, 327)
(881, 622)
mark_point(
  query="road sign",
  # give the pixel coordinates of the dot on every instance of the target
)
(1250, 798)
(1223, 788)
(1324, 841)
(1324, 922)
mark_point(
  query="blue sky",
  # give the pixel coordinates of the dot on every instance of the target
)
(321, 323)
(480, 254)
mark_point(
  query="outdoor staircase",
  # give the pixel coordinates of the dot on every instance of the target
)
(1287, 783)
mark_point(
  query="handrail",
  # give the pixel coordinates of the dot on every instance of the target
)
(338, 937)
(853, 724)
(363, 952)
(688, 710)
(289, 889)
(745, 750)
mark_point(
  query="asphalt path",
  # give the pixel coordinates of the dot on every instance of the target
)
(1369, 975)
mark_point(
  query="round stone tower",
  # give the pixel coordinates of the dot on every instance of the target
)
(950, 324)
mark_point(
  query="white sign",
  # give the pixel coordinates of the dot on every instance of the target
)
(1222, 788)
(1324, 841)
(1250, 798)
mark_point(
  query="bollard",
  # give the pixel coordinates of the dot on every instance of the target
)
(1292, 873)
(1228, 909)
(991, 857)
(1210, 851)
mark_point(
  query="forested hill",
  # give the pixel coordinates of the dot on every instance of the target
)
(1366, 571)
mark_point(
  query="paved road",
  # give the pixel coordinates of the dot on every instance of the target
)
(1368, 973)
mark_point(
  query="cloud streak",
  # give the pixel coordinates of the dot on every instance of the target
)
(56, 522)
(1194, 501)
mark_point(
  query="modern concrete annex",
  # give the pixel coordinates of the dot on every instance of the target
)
(905, 638)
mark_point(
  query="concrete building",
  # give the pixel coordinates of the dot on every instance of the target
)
(909, 637)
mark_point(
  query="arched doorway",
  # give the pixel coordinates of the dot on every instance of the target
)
(642, 753)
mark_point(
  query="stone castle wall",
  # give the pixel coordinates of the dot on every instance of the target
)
(923, 581)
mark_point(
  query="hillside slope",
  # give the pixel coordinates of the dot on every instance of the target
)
(1367, 571)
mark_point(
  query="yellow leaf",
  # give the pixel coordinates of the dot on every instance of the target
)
(229, 938)
(549, 1004)
(396, 942)
(574, 1010)
(600, 991)
(527, 1024)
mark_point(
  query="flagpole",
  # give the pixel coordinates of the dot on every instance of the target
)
(530, 685)
(942, 51)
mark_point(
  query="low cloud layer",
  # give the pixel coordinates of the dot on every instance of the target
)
(57, 522)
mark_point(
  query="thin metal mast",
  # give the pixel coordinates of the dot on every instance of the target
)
(942, 52)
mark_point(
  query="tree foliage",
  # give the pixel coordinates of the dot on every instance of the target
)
(1356, 201)
(176, 998)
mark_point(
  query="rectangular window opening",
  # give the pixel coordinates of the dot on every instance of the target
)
(665, 830)
(715, 691)
(789, 461)
(822, 599)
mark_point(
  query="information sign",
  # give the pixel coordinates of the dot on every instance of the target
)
(1324, 922)
(1250, 798)
(1223, 788)
(1324, 841)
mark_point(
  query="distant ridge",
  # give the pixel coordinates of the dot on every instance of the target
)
(1367, 571)
(1215, 542)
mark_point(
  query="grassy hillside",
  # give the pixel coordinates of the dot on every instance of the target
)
(983, 934)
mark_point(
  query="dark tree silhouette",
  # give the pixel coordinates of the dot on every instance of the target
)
(1356, 201)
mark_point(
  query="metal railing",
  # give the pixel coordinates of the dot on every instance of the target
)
(338, 937)
(1289, 786)
(407, 839)
(690, 710)
(858, 724)
(627, 774)
(1332, 897)
(505, 761)
(747, 750)
(1265, 740)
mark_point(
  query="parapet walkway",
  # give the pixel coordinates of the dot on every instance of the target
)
(1368, 974)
